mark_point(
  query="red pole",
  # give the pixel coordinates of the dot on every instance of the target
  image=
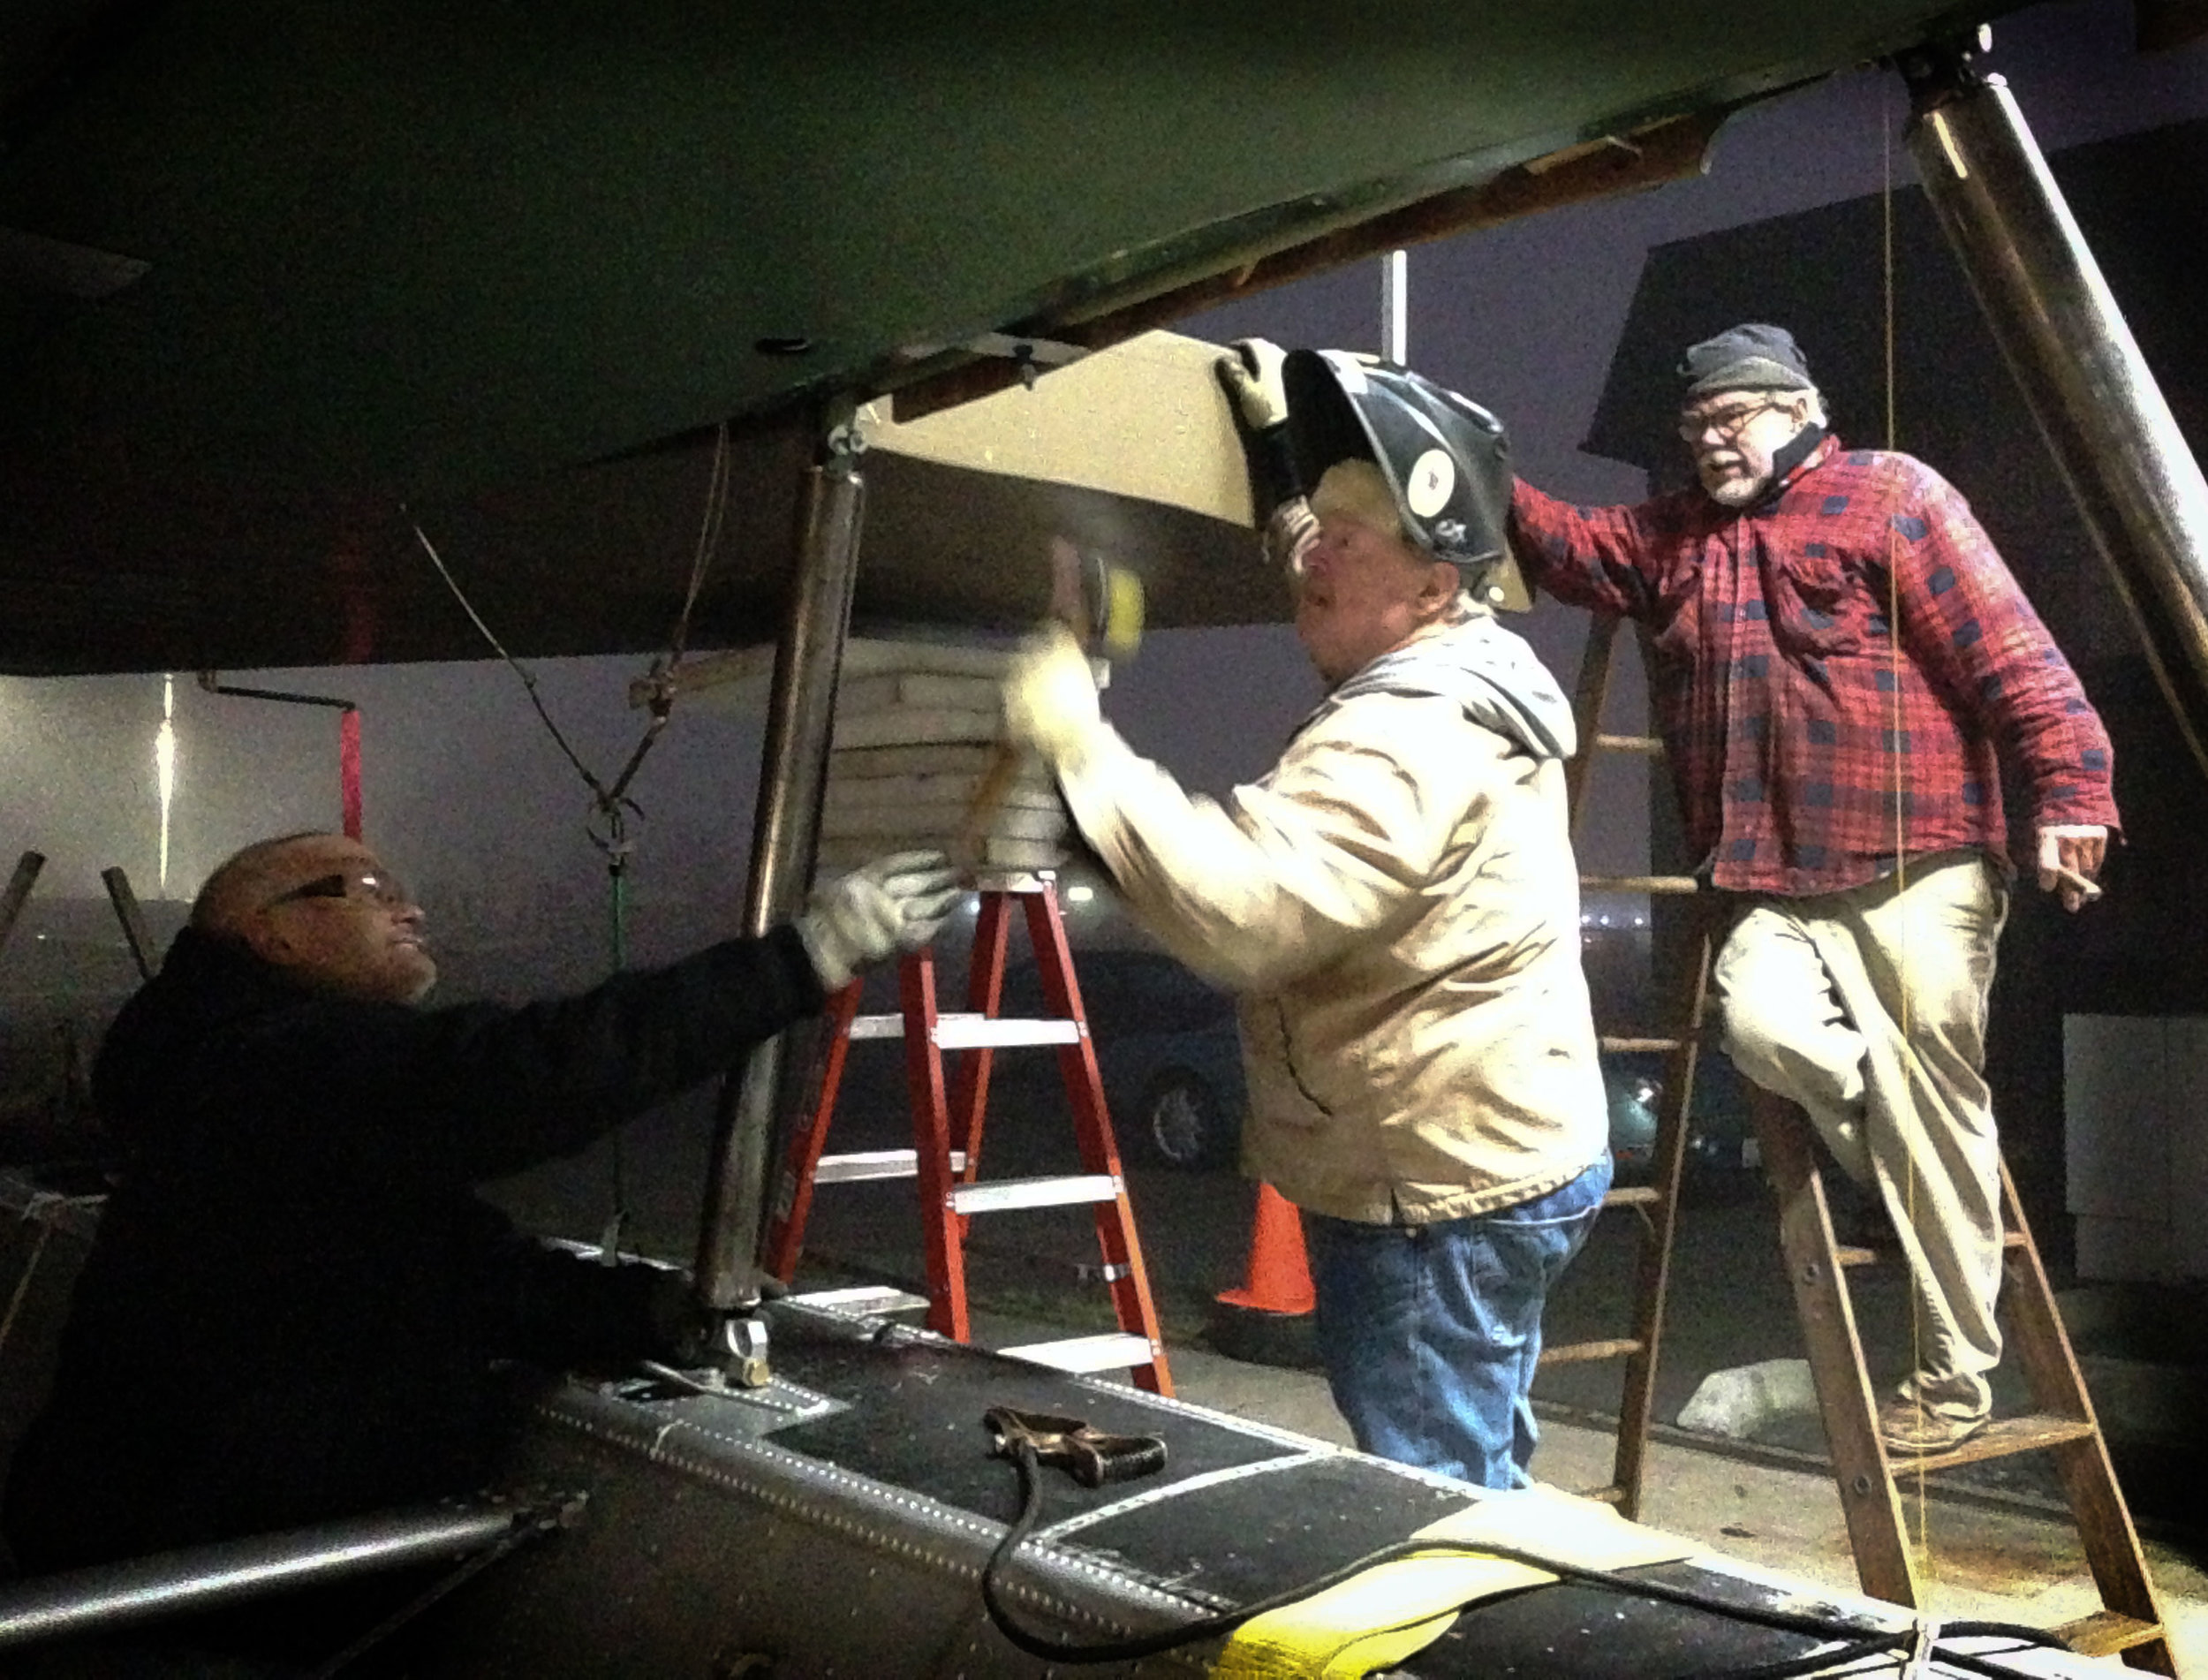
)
(349, 769)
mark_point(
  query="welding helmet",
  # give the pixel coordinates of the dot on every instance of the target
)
(1445, 458)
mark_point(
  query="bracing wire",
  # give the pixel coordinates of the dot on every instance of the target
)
(610, 802)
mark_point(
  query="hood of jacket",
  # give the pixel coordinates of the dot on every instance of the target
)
(1491, 672)
(204, 984)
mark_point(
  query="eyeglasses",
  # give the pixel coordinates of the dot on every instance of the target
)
(1728, 423)
(370, 886)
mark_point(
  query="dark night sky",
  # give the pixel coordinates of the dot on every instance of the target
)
(467, 796)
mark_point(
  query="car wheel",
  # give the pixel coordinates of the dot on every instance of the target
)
(1182, 1124)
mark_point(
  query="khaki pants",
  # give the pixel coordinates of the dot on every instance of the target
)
(1868, 1008)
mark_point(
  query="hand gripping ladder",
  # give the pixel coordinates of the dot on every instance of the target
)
(2130, 1621)
(1656, 1204)
(951, 1190)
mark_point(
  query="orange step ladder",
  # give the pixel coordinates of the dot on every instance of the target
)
(952, 1193)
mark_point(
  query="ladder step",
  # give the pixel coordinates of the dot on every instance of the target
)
(1586, 1352)
(2106, 1632)
(979, 1033)
(965, 1031)
(1640, 883)
(2001, 1439)
(1627, 1047)
(1648, 744)
(861, 1166)
(866, 1298)
(1865, 1254)
(1084, 1353)
(1633, 1196)
(998, 1195)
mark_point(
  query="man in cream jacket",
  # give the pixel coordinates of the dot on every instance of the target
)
(1397, 908)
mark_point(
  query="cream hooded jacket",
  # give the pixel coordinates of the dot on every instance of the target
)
(1397, 908)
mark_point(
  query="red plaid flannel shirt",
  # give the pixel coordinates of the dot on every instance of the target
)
(1810, 747)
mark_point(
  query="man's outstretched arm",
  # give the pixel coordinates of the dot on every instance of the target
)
(1588, 556)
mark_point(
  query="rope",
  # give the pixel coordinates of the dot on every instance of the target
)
(1902, 963)
(22, 1284)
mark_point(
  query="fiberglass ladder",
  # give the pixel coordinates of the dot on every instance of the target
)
(951, 1191)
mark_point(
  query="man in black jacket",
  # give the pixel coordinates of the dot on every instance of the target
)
(295, 1302)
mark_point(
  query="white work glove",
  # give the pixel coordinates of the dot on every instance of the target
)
(881, 910)
(2070, 856)
(1250, 371)
(1050, 698)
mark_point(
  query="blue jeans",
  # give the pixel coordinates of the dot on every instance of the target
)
(1430, 1333)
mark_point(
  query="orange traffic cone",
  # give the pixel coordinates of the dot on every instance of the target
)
(1268, 1320)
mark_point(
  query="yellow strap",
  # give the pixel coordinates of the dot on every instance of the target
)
(1396, 1609)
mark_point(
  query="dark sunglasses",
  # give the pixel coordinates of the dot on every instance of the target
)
(359, 884)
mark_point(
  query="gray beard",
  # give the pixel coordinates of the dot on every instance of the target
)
(1739, 492)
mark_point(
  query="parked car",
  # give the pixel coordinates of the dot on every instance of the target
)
(1166, 1047)
(1720, 1144)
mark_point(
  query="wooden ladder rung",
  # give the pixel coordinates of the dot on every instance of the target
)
(1874, 1254)
(2001, 1439)
(1587, 1352)
(1674, 1034)
(2106, 1632)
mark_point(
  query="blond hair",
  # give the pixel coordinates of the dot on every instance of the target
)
(1357, 490)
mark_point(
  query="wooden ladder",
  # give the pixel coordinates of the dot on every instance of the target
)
(2062, 1421)
(1655, 1204)
(951, 1189)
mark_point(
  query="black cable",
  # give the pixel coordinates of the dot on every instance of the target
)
(1854, 1639)
(1986, 1662)
(1823, 1660)
(528, 1526)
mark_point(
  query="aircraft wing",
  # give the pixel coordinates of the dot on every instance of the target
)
(276, 279)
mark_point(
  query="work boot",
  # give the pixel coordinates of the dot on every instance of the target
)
(1909, 1431)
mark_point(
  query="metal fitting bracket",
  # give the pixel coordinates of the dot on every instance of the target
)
(1029, 354)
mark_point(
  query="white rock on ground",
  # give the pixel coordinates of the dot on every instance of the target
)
(1741, 1399)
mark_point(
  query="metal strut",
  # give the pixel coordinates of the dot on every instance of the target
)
(800, 712)
(2096, 401)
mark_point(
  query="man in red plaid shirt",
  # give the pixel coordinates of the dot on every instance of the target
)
(1841, 667)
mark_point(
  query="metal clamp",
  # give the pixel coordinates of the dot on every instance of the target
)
(740, 1350)
(1089, 1456)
